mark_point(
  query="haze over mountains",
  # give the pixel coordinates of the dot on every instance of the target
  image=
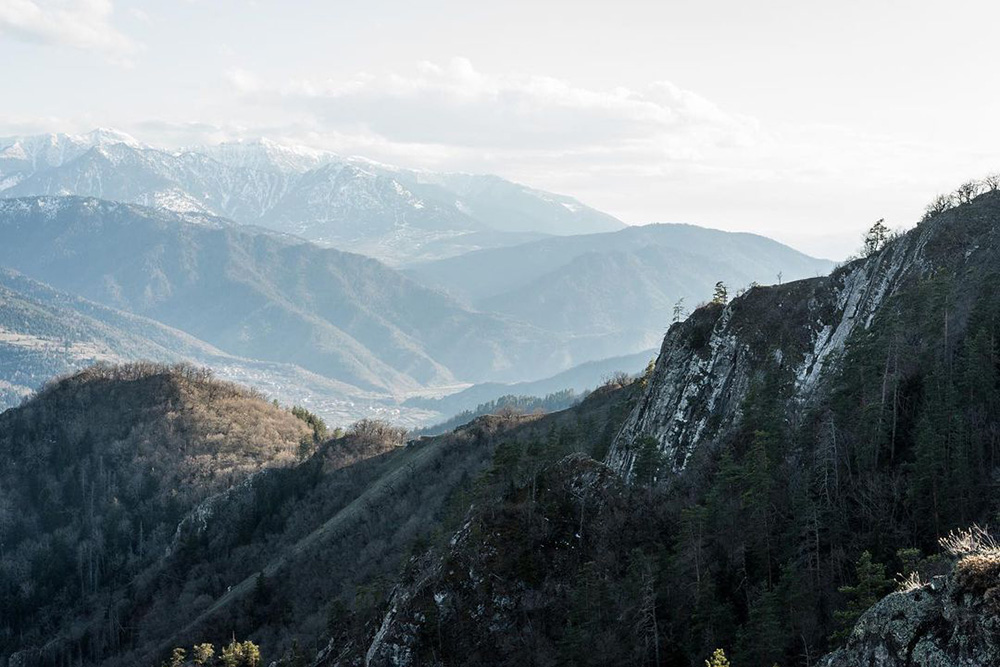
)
(45, 333)
(260, 296)
(614, 286)
(393, 214)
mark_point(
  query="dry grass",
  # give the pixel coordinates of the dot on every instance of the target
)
(972, 540)
(910, 583)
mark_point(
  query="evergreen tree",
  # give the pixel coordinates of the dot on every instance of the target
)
(648, 461)
(721, 294)
(876, 238)
(872, 584)
(202, 653)
(177, 657)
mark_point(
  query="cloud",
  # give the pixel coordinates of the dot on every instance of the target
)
(79, 24)
(140, 16)
(242, 80)
(460, 107)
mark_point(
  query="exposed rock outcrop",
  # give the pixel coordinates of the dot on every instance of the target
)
(953, 621)
(708, 363)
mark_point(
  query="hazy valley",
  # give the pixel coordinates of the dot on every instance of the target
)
(342, 334)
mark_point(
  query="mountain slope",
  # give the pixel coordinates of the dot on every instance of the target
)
(792, 452)
(97, 471)
(45, 333)
(20, 157)
(394, 214)
(619, 289)
(531, 263)
(261, 295)
(511, 207)
(284, 554)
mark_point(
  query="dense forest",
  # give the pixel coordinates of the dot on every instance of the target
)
(555, 401)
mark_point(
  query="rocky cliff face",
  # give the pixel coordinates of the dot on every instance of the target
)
(953, 621)
(708, 363)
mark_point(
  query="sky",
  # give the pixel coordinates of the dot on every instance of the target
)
(801, 120)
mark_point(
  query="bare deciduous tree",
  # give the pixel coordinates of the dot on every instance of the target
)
(938, 205)
(968, 191)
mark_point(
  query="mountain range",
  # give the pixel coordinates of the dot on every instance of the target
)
(393, 214)
(621, 287)
(374, 334)
(264, 295)
(45, 334)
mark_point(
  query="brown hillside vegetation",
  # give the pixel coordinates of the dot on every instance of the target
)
(100, 467)
(174, 427)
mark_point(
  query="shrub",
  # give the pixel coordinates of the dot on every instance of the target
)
(978, 573)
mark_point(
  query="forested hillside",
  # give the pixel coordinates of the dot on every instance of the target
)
(162, 508)
(795, 453)
(99, 470)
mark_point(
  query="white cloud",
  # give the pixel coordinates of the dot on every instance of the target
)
(458, 106)
(79, 24)
(242, 80)
(140, 16)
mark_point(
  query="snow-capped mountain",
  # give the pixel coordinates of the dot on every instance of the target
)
(22, 156)
(266, 154)
(394, 214)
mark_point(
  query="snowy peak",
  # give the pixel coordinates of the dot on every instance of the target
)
(103, 136)
(27, 154)
(263, 153)
(397, 215)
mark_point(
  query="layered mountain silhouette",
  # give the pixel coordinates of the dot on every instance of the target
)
(618, 286)
(262, 295)
(255, 294)
(45, 333)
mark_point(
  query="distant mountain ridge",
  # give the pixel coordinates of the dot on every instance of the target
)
(45, 333)
(397, 215)
(621, 286)
(258, 294)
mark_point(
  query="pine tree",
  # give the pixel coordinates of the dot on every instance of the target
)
(872, 585)
(177, 657)
(721, 294)
(202, 653)
(876, 238)
(678, 312)
(648, 461)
